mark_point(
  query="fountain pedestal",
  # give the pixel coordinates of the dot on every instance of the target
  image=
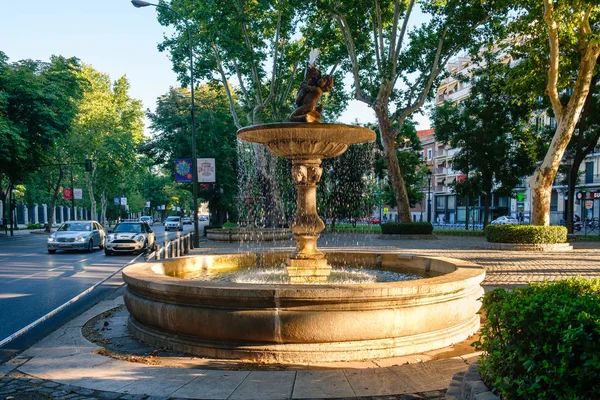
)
(306, 144)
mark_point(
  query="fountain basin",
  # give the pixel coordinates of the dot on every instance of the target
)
(303, 323)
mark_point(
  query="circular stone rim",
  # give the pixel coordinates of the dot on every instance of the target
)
(335, 133)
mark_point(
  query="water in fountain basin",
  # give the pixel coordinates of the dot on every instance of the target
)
(278, 275)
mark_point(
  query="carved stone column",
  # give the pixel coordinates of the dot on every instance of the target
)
(307, 263)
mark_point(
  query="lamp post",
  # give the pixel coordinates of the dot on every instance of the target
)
(429, 196)
(138, 4)
(570, 195)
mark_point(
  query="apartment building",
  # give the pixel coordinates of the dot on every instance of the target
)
(446, 207)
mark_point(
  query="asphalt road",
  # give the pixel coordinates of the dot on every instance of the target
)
(34, 283)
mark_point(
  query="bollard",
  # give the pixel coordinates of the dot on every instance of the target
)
(157, 251)
(166, 250)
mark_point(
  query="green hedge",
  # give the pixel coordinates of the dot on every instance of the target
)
(412, 228)
(526, 234)
(34, 226)
(543, 341)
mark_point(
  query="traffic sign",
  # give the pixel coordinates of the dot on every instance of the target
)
(67, 193)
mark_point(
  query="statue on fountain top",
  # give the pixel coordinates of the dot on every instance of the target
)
(310, 92)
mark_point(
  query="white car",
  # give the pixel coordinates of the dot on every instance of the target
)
(77, 235)
(130, 237)
(173, 222)
(147, 219)
(505, 220)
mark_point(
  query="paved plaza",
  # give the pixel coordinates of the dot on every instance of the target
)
(66, 365)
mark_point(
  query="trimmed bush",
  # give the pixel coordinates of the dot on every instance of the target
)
(34, 226)
(403, 228)
(543, 341)
(526, 234)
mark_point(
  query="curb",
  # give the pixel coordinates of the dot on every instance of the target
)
(469, 386)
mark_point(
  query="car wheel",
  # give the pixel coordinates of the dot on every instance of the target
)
(102, 244)
(90, 246)
(108, 252)
(51, 251)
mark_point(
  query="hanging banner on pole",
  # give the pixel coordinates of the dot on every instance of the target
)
(206, 170)
(183, 170)
(78, 193)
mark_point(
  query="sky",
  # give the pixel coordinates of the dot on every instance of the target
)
(113, 37)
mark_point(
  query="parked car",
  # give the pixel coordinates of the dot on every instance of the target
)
(173, 222)
(77, 235)
(505, 220)
(147, 219)
(130, 237)
(187, 221)
(374, 220)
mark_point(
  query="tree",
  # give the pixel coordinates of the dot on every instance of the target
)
(107, 129)
(489, 129)
(344, 185)
(395, 68)
(558, 43)
(250, 42)
(38, 101)
(215, 138)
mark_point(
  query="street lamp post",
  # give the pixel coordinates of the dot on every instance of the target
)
(138, 4)
(429, 196)
(570, 195)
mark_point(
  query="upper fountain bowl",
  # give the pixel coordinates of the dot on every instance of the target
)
(306, 140)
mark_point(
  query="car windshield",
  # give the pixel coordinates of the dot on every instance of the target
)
(128, 228)
(173, 219)
(75, 227)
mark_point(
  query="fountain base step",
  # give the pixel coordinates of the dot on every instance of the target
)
(308, 270)
(307, 352)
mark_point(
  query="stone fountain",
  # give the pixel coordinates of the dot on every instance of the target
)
(307, 320)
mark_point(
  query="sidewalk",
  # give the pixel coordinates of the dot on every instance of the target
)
(67, 366)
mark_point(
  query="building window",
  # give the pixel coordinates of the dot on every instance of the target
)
(429, 154)
(553, 200)
(422, 154)
(589, 172)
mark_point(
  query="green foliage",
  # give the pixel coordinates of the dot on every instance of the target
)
(215, 138)
(495, 147)
(34, 226)
(350, 228)
(543, 341)
(342, 187)
(38, 102)
(525, 234)
(229, 225)
(457, 232)
(402, 228)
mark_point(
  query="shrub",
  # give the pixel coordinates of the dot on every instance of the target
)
(543, 341)
(34, 226)
(403, 228)
(525, 234)
(230, 225)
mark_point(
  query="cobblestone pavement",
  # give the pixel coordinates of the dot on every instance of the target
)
(504, 269)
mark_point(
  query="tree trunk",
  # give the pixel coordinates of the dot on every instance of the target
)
(543, 177)
(486, 210)
(54, 198)
(103, 204)
(394, 171)
(93, 211)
